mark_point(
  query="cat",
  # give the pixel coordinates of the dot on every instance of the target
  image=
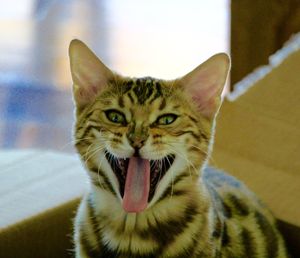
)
(145, 144)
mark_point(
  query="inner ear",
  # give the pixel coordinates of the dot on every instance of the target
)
(206, 82)
(89, 74)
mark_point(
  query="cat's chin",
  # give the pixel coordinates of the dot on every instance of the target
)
(123, 171)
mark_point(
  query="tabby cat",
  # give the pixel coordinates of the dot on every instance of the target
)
(145, 144)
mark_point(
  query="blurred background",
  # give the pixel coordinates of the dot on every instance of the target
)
(163, 39)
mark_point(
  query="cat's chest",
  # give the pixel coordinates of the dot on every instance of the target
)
(156, 234)
(130, 234)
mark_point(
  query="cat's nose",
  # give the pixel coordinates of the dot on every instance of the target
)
(136, 142)
(137, 139)
(137, 136)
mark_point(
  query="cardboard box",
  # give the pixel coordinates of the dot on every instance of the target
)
(258, 137)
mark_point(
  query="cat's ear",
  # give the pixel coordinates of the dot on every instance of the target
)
(89, 74)
(205, 83)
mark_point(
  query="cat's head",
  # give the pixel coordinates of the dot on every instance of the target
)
(141, 137)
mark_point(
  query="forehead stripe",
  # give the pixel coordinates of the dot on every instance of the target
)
(143, 92)
(141, 88)
(162, 104)
(157, 93)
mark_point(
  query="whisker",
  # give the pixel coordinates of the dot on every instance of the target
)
(98, 171)
(172, 179)
(186, 159)
(191, 145)
(92, 152)
(210, 158)
(74, 141)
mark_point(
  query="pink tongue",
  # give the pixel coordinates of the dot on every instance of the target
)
(137, 185)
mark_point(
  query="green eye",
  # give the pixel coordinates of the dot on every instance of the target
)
(166, 119)
(115, 116)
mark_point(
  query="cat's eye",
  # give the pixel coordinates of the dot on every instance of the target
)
(115, 116)
(166, 119)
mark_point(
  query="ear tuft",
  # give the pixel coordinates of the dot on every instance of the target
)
(206, 82)
(89, 74)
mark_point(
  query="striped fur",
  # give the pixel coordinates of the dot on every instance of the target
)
(212, 217)
(196, 211)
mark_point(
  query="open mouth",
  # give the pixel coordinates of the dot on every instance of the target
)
(158, 169)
